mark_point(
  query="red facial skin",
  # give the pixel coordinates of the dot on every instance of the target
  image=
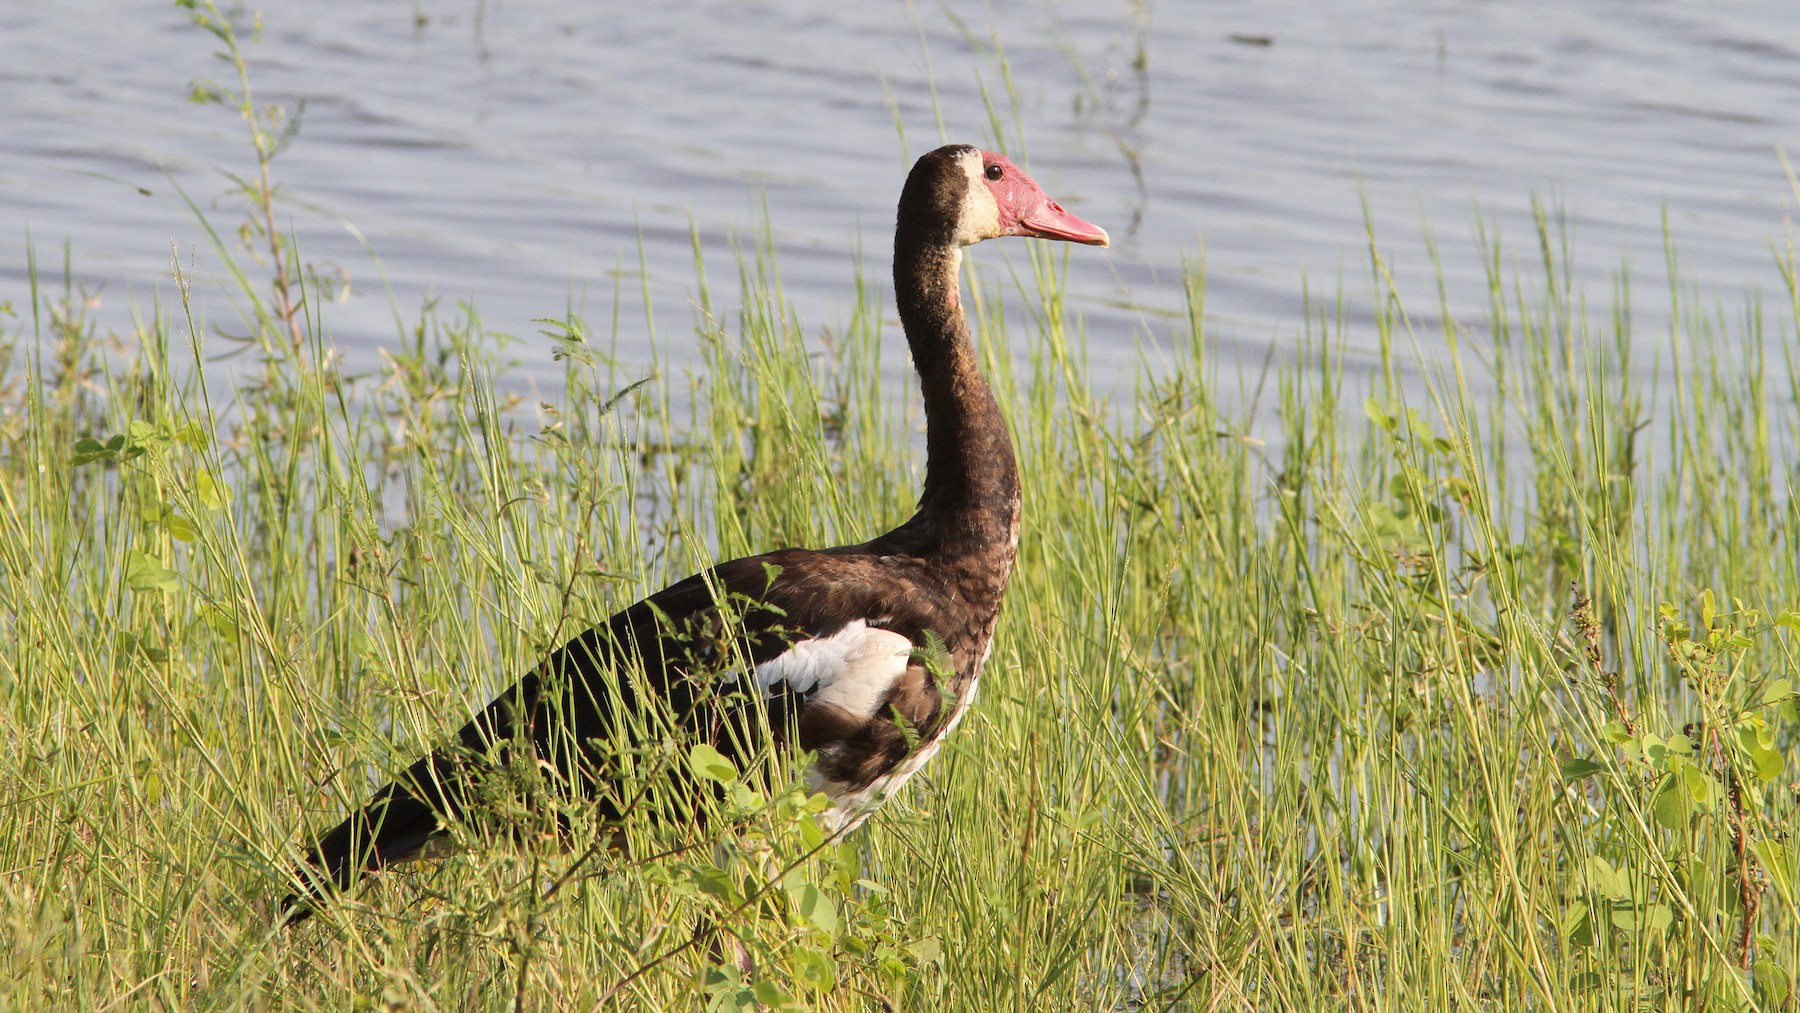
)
(1026, 210)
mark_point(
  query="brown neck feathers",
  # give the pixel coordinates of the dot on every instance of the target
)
(970, 505)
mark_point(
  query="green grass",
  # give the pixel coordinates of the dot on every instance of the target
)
(1467, 683)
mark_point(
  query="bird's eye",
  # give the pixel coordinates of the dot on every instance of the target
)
(994, 172)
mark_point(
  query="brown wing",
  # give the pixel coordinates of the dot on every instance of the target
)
(620, 692)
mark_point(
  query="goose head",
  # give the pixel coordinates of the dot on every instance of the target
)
(960, 195)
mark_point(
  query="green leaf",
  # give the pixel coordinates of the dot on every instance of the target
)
(1575, 768)
(770, 994)
(1653, 920)
(86, 451)
(221, 621)
(1607, 881)
(709, 764)
(1706, 609)
(814, 905)
(1703, 788)
(1757, 742)
(213, 495)
(815, 970)
(1587, 981)
(194, 435)
(1401, 485)
(114, 448)
(1727, 993)
(162, 515)
(715, 882)
(734, 999)
(715, 977)
(812, 835)
(1776, 862)
(180, 528)
(1672, 806)
(1772, 981)
(741, 798)
(126, 644)
(1769, 763)
(144, 572)
(1577, 924)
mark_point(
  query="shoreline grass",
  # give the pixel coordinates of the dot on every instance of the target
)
(1426, 699)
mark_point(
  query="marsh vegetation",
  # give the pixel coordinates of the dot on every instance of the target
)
(1466, 681)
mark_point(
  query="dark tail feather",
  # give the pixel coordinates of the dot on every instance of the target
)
(404, 816)
(394, 827)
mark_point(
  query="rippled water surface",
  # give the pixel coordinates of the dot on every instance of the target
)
(516, 153)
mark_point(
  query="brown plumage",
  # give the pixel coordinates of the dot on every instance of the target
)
(863, 655)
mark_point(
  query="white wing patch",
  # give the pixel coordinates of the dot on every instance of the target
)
(852, 669)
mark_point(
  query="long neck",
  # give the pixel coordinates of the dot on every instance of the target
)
(969, 510)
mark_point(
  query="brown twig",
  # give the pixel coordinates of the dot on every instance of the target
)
(1582, 614)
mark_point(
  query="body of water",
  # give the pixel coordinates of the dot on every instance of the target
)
(515, 154)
